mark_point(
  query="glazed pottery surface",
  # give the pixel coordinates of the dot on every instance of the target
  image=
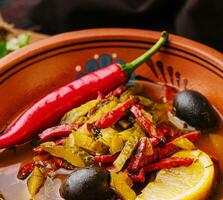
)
(31, 72)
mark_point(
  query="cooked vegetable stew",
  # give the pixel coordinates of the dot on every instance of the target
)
(115, 146)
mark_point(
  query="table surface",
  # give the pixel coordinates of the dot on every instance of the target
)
(34, 36)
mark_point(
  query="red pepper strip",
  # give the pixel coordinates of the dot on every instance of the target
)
(168, 163)
(56, 131)
(149, 159)
(59, 141)
(108, 167)
(106, 158)
(60, 163)
(139, 116)
(141, 145)
(139, 177)
(146, 123)
(143, 150)
(162, 131)
(117, 113)
(167, 150)
(145, 146)
(159, 152)
(171, 148)
(192, 136)
(141, 160)
(154, 141)
(100, 95)
(57, 163)
(39, 151)
(48, 111)
(117, 92)
(25, 170)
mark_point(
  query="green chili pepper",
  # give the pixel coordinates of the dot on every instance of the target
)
(35, 181)
(68, 154)
(76, 113)
(126, 152)
(89, 143)
(121, 184)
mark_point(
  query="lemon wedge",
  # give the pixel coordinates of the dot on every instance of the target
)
(182, 183)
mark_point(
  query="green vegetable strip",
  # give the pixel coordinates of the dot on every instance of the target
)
(73, 115)
(126, 152)
(35, 181)
(68, 154)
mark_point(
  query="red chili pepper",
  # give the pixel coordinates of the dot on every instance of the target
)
(162, 131)
(168, 163)
(48, 111)
(108, 166)
(143, 151)
(145, 122)
(59, 141)
(140, 160)
(154, 141)
(117, 113)
(171, 148)
(117, 92)
(56, 131)
(192, 136)
(25, 170)
(106, 158)
(100, 95)
(38, 150)
(57, 163)
(167, 150)
(138, 177)
(60, 163)
(145, 146)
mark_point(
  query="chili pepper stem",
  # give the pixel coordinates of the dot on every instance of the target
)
(130, 67)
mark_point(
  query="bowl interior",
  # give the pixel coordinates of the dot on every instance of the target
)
(33, 71)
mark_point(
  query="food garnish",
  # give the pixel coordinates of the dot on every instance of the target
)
(121, 139)
(8, 40)
(131, 153)
(193, 182)
(49, 110)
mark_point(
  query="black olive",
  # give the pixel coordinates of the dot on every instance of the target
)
(86, 184)
(195, 109)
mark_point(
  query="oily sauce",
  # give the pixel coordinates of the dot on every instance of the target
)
(11, 188)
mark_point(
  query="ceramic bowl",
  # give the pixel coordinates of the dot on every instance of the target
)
(31, 72)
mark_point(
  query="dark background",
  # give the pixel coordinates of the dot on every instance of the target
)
(200, 20)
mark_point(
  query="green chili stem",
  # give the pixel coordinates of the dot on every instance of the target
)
(130, 67)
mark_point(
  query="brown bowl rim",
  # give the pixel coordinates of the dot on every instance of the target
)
(177, 42)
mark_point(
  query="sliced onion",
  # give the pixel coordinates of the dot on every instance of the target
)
(180, 124)
(50, 190)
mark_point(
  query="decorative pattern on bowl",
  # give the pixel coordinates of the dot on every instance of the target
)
(31, 72)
